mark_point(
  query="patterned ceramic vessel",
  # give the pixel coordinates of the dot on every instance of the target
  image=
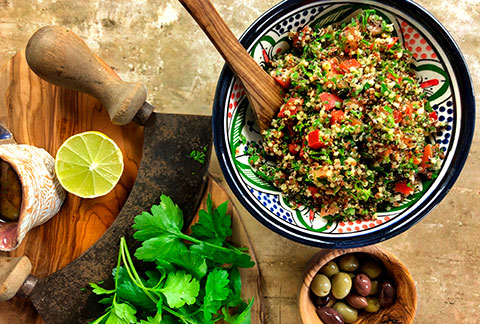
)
(440, 69)
(42, 194)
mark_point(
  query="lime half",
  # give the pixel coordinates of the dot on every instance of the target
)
(89, 164)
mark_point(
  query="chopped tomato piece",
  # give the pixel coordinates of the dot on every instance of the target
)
(433, 115)
(429, 83)
(281, 114)
(313, 189)
(402, 188)
(427, 154)
(397, 116)
(351, 44)
(337, 115)
(416, 160)
(409, 110)
(388, 151)
(292, 105)
(393, 42)
(301, 150)
(333, 68)
(293, 111)
(346, 65)
(315, 141)
(391, 77)
(329, 100)
(265, 56)
(293, 148)
(284, 82)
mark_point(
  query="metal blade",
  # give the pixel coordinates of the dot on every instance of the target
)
(166, 168)
(5, 136)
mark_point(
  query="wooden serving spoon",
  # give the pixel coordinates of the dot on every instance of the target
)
(264, 93)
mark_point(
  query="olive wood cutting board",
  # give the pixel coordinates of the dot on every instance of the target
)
(41, 114)
(45, 115)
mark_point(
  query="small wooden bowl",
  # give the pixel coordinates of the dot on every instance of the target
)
(402, 312)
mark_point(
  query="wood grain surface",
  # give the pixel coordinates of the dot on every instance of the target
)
(402, 312)
(263, 92)
(45, 115)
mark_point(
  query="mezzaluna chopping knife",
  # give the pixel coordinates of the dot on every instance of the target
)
(59, 56)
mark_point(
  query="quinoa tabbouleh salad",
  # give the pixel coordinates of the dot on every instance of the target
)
(352, 134)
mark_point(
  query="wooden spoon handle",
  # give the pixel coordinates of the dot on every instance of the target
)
(59, 56)
(13, 273)
(262, 90)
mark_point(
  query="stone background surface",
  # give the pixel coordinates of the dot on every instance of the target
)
(157, 43)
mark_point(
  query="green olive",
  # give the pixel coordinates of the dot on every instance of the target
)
(348, 262)
(375, 286)
(330, 269)
(341, 285)
(321, 285)
(348, 313)
(371, 268)
(373, 305)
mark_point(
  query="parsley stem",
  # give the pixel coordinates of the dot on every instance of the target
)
(127, 260)
(234, 248)
(194, 240)
(182, 317)
(117, 274)
(220, 317)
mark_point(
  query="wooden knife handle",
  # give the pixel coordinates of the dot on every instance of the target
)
(58, 55)
(263, 91)
(13, 273)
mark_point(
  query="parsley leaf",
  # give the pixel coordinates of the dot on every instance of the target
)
(213, 225)
(119, 313)
(160, 247)
(99, 290)
(157, 319)
(165, 220)
(223, 256)
(180, 288)
(245, 317)
(192, 262)
(127, 290)
(124, 313)
(216, 291)
(234, 299)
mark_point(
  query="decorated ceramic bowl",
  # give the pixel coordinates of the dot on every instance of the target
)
(440, 69)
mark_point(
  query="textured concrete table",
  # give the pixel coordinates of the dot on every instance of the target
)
(156, 42)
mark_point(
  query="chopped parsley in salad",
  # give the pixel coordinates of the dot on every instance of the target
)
(352, 135)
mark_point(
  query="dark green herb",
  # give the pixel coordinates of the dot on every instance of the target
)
(193, 279)
(199, 155)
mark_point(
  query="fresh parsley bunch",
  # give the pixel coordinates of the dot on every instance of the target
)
(195, 278)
